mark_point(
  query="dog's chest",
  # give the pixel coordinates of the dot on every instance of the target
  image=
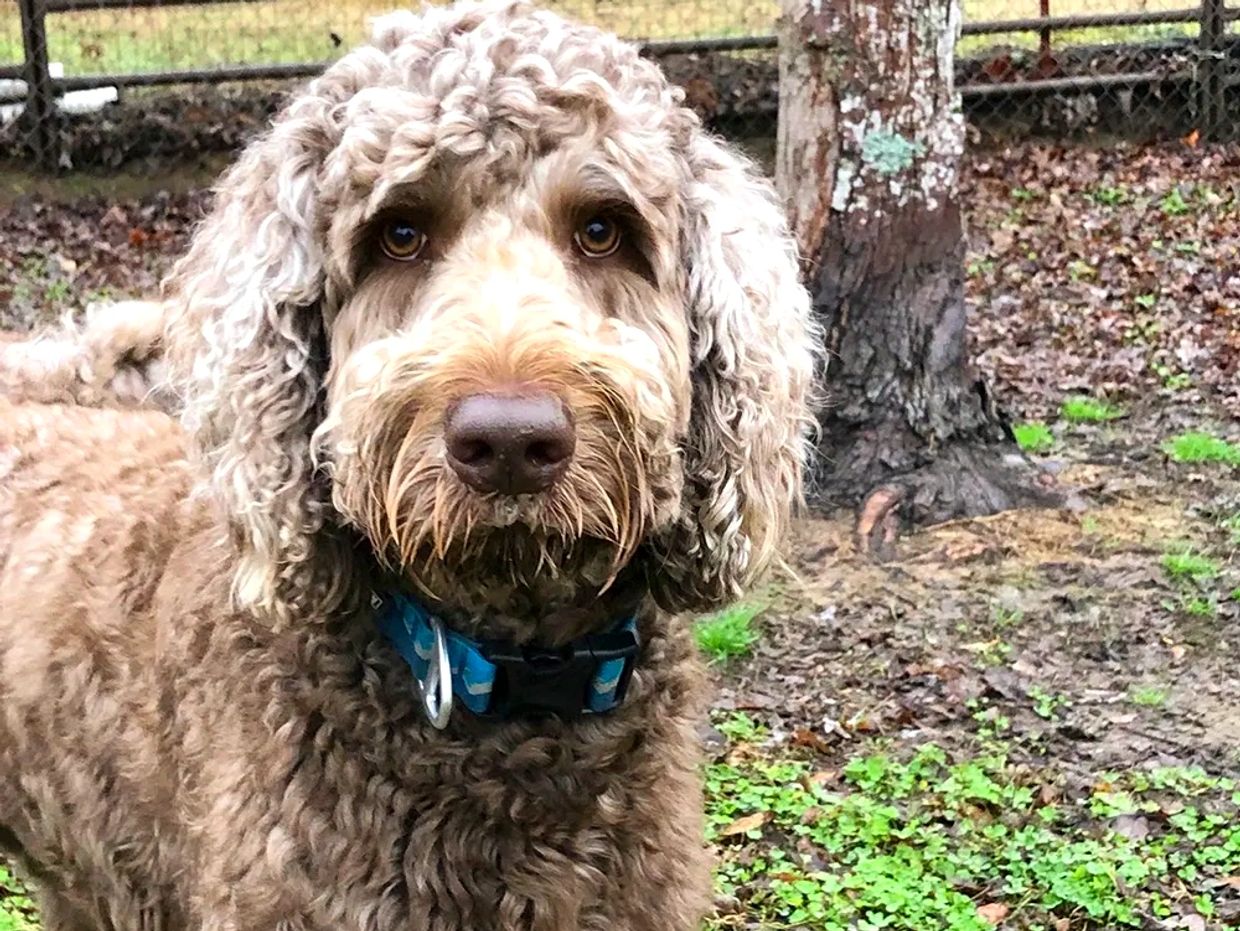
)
(325, 801)
(450, 835)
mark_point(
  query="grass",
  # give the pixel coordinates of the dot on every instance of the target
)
(961, 843)
(1109, 196)
(1174, 204)
(1033, 437)
(1194, 447)
(1187, 566)
(158, 38)
(1231, 524)
(1149, 696)
(943, 840)
(306, 30)
(1004, 618)
(1197, 606)
(17, 911)
(1046, 705)
(729, 633)
(1089, 410)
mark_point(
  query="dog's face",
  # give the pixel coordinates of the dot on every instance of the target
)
(488, 295)
(509, 379)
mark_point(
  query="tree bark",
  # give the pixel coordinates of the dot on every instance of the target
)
(870, 140)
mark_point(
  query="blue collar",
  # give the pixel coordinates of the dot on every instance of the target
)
(498, 679)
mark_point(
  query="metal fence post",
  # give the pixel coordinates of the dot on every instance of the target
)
(1211, 88)
(1044, 43)
(40, 94)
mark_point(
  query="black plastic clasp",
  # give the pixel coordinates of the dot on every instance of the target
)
(539, 680)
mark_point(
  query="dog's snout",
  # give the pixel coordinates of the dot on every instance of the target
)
(510, 444)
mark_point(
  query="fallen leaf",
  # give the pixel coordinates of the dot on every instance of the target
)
(862, 725)
(964, 550)
(115, 216)
(804, 737)
(1049, 795)
(993, 912)
(746, 824)
(1134, 827)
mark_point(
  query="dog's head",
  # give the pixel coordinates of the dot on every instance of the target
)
(489, 296)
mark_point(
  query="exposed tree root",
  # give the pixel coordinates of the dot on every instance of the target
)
(963, 481)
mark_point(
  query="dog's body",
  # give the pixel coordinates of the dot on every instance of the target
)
(164, 766)
(111, 358)
(485, 319)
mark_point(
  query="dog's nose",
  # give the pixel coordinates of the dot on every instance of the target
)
(511, 444)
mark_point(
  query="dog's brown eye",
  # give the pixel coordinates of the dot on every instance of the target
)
(598, 237)
(401, 240)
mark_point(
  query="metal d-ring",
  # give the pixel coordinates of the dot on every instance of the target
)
(437, 690)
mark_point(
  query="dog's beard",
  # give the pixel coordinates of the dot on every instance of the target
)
(524, 584)
(512, 560)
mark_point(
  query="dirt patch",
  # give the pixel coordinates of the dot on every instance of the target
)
(1077, 700)
(1077, 607)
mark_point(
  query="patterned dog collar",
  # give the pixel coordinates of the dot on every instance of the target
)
(499, 679)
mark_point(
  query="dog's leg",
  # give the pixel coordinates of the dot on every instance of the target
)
(58, 913)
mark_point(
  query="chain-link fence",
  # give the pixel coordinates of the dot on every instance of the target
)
(87, 81)
(1129, 68)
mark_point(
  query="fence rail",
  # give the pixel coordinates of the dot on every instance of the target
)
(1086, 21)
(1203, 61)
(69, 6)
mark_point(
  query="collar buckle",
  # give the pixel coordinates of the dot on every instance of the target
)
(588, 675)
(498, 679)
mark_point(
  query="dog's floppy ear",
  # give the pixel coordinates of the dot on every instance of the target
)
(245, 338)
(752, 352)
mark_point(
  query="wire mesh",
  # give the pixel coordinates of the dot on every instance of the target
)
(1143, 68)
(1059, 67)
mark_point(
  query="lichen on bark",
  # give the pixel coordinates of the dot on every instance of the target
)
(871, 137)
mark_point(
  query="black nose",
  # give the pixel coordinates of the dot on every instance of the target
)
(511, 444)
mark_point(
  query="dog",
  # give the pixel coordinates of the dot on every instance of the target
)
(491, 365)
(111, 357)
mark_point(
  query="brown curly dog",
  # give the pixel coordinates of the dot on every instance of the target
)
(111, 357)
(490, 363)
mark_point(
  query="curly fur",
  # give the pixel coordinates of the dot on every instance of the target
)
(113, 356)
(199, 727)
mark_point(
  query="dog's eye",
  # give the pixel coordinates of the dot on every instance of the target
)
(401, 240)
(598, 237)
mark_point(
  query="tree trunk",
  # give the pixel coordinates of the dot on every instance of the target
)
(870, 140)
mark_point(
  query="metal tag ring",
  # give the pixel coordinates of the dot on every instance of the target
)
(437, 691)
